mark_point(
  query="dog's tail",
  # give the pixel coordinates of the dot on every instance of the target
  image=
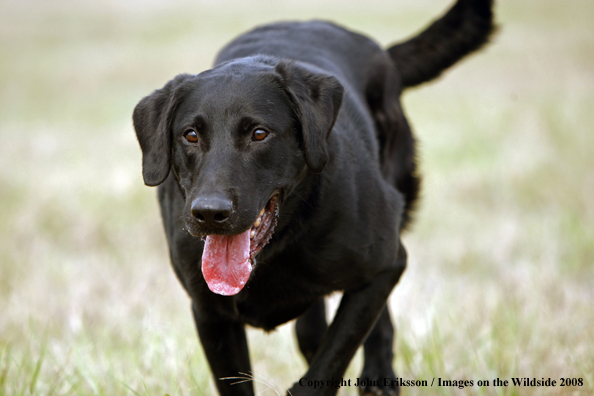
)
(461, 31)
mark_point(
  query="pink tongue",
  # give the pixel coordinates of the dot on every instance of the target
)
(226, 263)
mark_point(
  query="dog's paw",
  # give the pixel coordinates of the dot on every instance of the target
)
(377, 391)
(386, 386)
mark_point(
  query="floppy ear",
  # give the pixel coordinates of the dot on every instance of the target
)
(317, 98)
(152, 123)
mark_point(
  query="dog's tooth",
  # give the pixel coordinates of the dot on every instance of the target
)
(258, 222)
(252, 233)
(261, 212)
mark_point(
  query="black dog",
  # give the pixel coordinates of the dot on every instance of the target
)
(286, 173)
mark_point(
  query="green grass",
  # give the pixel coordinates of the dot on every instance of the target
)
(499, 282)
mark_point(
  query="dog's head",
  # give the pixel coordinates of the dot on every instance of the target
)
(237, 138)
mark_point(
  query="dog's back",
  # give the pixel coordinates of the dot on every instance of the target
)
(377, 77)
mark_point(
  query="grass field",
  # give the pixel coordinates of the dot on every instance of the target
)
(500, 282)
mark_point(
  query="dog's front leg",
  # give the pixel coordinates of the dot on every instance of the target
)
(358, 311)
(225, 346)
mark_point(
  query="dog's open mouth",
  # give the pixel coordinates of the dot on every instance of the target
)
(228, 260)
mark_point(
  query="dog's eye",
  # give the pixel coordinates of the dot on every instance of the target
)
(259, 134)
(191, 136)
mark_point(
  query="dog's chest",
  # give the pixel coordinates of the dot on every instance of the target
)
(268, 316)
(269, 301)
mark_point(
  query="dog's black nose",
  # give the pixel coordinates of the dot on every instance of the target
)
(212, 210)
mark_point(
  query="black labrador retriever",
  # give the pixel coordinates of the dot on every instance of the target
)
(286, 173)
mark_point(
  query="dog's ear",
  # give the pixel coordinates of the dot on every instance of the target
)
(152, 123)
(317, 98)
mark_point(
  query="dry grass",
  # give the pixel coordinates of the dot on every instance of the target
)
(500, 276)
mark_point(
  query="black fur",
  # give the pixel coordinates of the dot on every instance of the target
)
(465, 28)
(340, 155)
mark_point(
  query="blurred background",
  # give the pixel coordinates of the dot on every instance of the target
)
(500, 276)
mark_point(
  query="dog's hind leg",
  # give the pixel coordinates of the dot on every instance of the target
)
(310, 329)
(357, 314)
(378, 354)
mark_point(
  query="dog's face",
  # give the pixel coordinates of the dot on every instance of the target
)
(237, 138)
(234, 147)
